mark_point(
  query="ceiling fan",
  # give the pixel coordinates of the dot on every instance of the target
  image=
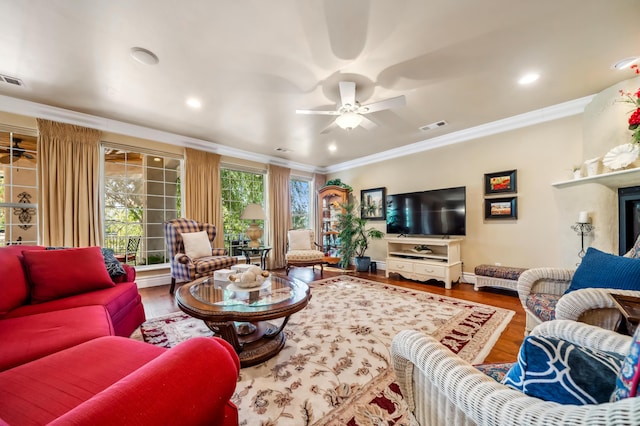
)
(351, 114)
(16, 152)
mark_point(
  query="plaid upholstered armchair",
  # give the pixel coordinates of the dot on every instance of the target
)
(198, 259)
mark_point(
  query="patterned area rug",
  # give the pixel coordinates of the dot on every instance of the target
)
(335, 367)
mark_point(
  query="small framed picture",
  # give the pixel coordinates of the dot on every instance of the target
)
(500, 182)
(501, 208)
(373, 204)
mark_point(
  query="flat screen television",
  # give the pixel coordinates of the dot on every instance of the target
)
(440, 212)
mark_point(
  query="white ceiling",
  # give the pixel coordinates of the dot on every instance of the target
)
(252, 63)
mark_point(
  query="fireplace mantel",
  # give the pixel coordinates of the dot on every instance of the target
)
(615, 180)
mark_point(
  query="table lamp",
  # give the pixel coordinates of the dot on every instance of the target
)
(253, 212)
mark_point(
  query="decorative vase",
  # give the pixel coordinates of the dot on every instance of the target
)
(592, 166)
(577, 174)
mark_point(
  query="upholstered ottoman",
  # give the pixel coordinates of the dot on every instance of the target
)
(497, 276)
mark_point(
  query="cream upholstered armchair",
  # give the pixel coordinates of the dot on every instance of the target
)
(441, 389)
(189, 245)
(302, 250)
(542, 291)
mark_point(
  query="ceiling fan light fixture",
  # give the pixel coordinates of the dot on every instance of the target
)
(349, 120)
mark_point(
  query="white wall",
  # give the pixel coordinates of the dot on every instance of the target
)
(542, 154)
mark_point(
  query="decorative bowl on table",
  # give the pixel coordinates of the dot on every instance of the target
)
(252, 278)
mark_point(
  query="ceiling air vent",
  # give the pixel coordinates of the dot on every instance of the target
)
(11, 80)
(435, 125)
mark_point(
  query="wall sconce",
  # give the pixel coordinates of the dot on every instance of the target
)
(582, 227)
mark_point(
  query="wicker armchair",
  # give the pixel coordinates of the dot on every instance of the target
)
(541, 293)
(442, 389)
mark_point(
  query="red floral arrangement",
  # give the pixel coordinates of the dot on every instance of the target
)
(634, 98)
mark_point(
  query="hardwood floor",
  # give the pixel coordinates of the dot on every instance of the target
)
(157, 301)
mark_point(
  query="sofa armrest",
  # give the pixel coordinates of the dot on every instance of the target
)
(442, 389)
(218, 252)
(182, 258)
(128, 277)
(543, 280)
(190, 384)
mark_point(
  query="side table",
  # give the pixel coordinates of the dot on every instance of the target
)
(261, 251)
(629, 307)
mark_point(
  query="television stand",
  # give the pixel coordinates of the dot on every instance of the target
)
(442, 263)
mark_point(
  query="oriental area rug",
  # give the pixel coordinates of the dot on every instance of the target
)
(335, 368)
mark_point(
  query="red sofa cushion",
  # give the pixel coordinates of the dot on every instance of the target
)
(121, 381)
(59, 273)
(14, 287)
(119, 300)
(28, 338)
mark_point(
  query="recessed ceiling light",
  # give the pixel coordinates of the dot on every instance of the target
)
(194, 103)
(333, 147)
(625, 63)
(144, 56)
(529, 78)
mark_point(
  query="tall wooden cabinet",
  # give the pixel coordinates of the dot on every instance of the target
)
(330, 199)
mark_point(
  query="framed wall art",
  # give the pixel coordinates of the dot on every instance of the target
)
(373, 204)
(500, 182)
(501, 208)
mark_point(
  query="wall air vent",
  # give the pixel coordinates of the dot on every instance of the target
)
(11, 80)
(435, 125)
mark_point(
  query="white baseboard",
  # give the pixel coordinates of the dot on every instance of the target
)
(153, 280)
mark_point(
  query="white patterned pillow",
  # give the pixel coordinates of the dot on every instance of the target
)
(196, 244)
(300, 239)
(559, 371)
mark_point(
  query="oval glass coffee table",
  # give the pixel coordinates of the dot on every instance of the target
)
(241, 316)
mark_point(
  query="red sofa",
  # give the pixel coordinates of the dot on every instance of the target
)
(65, 357)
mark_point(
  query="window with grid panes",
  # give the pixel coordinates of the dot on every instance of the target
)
(18, 188)
(141, 192)
(300, 195)
(239, 188)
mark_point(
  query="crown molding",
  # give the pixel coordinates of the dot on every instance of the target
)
(555, 112)
(61, 115)
(33, 109)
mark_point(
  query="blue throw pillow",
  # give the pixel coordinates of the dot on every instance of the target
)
(559, 371)
(604, 270)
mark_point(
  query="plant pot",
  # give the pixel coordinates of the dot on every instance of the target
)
(363, 263)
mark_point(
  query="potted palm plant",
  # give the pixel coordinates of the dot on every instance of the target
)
(354, 237)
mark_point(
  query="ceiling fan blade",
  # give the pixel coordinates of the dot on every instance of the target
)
(398, 101)
(312, 112)
(6, 159)
(368, 124)
(347, 92)
(331, 127)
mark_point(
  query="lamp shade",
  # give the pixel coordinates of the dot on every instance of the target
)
(253, 212)
(349, 120)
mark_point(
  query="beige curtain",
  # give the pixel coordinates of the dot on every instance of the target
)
(68, 161)
(319, 181)
(202, 190)
(279, 214)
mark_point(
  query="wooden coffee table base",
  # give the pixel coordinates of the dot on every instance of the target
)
(252, 347)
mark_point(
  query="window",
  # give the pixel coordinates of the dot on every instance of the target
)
(141, 192)
(18, 189)
(239, 188)
(300, 203)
